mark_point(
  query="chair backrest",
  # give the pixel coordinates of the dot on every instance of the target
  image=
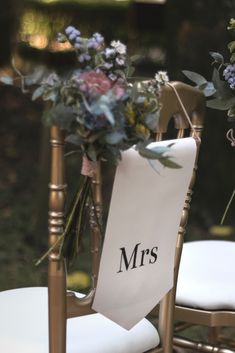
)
(63, 305)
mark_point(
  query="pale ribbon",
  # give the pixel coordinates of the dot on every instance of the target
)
(230, 137)
(88, 167)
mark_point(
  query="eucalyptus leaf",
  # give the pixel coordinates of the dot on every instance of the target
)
(51, 94)
(108, 113)
(91, 152)
(208, 89)
(95, 136)
(169, 163)
(195, 77)
(217, 57)
(112, 155)
(149, 153)
(115, 137)
(7, 80)
(154, 164)
(74, 139)
(103, 107)
(232, 58)
(231, 112)
(220, 104)
(37, 76)
(38, 92)
(231, 46)
(61, 115)
(162, 149)
(130, 70)
(135, 58)
(151, 120)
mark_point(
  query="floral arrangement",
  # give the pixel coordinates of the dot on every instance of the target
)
(101, 111)
(221, 88)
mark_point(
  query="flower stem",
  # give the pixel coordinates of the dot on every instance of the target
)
(60, 239)
(227, 207)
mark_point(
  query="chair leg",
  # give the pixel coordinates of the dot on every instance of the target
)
(200, 347)
(166, 319)
(213, 335)
(57, 307)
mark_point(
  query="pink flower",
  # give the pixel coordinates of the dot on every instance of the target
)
(95, 82)
(118, 90)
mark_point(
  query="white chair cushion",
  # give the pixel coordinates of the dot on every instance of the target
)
(24, 328)
(207, 275)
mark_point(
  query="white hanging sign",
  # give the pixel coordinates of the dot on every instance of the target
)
(137, 262)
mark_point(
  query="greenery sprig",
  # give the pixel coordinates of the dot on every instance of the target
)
(221, 88)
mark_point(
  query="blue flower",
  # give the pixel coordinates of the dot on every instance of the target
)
(229, 75)
(69, 30)
(72, 33)
(84, 57)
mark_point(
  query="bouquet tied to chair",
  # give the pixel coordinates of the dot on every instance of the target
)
(102, 109)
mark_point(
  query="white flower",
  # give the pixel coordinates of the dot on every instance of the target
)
(108, 66)
(151, 89)
(161, 77)
(120, 61)
(119, 46)
(112, 77)
(109, 52)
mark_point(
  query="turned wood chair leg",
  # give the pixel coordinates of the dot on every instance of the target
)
(198, 346)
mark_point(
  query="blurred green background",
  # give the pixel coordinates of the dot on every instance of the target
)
(171, 35)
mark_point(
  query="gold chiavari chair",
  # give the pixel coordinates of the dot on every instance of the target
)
(73, 326)
(205, 297)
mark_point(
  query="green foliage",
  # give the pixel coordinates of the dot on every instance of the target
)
(221, 87)
(160, 154)
(218, 58)
(201, 83)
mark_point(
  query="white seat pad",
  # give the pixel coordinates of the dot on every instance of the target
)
(207, 275)
(24, 328)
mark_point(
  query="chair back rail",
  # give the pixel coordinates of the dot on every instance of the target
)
(62, 306)
(194, 103)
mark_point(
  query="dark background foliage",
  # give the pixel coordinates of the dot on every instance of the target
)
(173, 36)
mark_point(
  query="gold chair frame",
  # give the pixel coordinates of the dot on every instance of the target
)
(214, 320)
(63, 305)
